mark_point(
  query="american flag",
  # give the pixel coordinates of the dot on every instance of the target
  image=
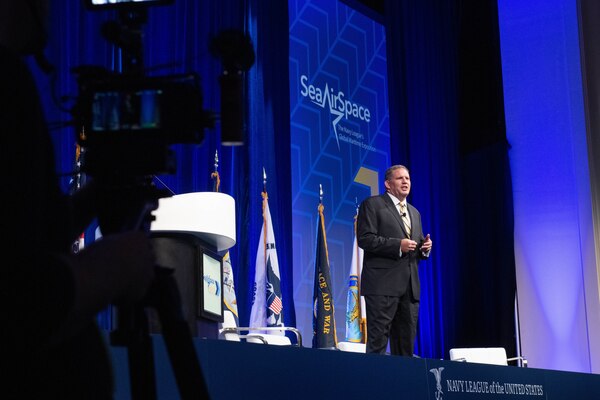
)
(275, 305)
(267, 304)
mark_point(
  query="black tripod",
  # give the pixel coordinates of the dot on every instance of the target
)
(132, 328)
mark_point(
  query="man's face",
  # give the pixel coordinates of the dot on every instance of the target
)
(399, 183)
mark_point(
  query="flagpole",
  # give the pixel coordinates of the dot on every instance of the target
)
(357, 250)
(320, 194)
(324, 327)
(229, 296)
(216, 160)
(265, 198)
(267, 303)
(75, 185)
(354, 308)
(322, 219)
(357, 269)
(215, 174)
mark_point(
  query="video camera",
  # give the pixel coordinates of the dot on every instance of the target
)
(128, 121)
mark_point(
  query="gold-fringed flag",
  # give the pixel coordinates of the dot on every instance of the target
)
(267, 303)
(324, 331)
(229, 298)
(355, 307)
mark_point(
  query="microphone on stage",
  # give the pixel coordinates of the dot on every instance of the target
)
(403, 214)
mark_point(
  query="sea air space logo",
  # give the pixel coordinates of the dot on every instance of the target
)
(338, 105)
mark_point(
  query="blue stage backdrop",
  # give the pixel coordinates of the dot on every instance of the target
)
(339, 137)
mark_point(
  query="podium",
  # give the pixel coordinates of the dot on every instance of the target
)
(190, 234)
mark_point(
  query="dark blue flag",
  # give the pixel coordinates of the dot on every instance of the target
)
(324, 332)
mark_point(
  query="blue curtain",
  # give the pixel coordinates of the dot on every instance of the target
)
(422, 51)
(445, 83)
(269, 142)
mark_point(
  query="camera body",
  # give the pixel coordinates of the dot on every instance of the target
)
(130, 122)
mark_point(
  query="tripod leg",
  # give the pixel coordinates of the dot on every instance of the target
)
(178, 340)
(185, 361)
(132, 331)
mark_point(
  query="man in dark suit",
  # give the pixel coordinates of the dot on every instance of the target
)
(389, 231)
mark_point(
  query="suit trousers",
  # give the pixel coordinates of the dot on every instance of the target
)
(393, 319)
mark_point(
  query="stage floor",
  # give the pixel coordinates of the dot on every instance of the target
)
(234, 370)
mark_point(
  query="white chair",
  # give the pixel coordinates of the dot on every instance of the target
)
(485, 355)
(265, 338)
(230, 331)
(224, 328)
(352, 347)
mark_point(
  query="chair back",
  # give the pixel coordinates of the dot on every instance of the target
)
(482, 355)
(278, 340)
(228, 322)
(352, 347)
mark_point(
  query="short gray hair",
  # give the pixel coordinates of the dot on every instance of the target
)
(388, 172)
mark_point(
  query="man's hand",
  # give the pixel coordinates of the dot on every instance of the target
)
(426, 246)
(407, 245)
(117, 269)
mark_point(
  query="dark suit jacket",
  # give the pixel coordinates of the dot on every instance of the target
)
(379, 233)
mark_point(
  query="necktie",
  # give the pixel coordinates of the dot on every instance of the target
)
(404, 214)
